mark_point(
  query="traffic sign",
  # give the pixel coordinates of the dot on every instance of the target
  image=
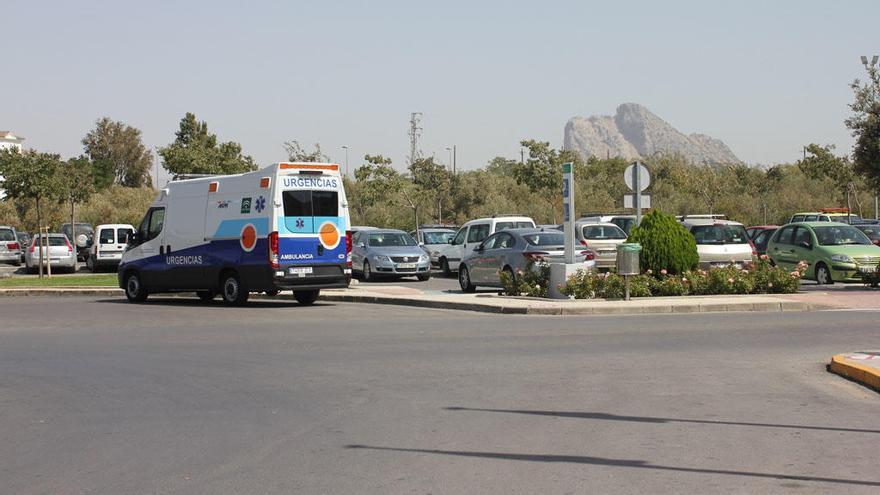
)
(629, 200)
(643, 180)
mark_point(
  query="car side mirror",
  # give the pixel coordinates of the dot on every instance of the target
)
(479, 248)
(451, 241)
(806, 245)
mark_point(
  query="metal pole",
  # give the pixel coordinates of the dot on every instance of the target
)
(637, 185)
(454, 157)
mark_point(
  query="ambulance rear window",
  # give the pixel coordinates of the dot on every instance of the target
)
(306, 203)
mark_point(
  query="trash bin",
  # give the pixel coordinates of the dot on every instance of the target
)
(628, 258)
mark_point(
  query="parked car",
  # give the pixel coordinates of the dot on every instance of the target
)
(10, 246)
(870, 230)
(833, 251)
(825, 215)
(56, 248)
(434, 241)
(601, 238)
(24, 240)
(548, 226)
(701, 216)
(389, 253)
(720, 242)
(625, 222)
(83, 235)
(762, 239)
(510, 251)
(112, 242)
(472, 233)
(757, 229)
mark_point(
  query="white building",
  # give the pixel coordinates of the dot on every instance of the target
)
(8, 140)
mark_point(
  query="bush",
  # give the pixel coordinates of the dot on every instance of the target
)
(533, 282)
(666, 244)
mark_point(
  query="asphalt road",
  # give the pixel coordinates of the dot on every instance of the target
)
(174, 396)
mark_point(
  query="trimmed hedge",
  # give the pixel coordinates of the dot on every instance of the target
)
(666, 244)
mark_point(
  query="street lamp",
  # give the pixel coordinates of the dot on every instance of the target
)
(449, 162)
(346, 160)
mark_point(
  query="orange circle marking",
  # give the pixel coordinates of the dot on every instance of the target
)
(329, 235)
(248, 238)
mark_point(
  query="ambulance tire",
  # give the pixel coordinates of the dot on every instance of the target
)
(134, 288)
(206, 295)
(306, 297)
(234, 294)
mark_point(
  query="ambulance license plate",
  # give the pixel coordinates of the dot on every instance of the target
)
(301, 271)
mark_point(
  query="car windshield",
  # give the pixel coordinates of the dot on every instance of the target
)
(513, 225)
(839, 235)
(7, 235)
(545, 239)
(720, 234)
(391, 239)
(603, 232)
(437, 237)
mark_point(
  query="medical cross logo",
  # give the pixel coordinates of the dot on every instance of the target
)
(260, 204)
(300, 223)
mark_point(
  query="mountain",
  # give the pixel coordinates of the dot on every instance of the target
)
(634, 132)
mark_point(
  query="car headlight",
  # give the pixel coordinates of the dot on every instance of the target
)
(424, 258)
(379, 257)
(842, 258)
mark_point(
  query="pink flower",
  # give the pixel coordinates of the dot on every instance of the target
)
(764, 257)
(663, 271)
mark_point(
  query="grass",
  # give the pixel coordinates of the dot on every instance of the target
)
(96, 280)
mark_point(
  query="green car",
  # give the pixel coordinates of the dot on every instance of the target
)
(834, 252)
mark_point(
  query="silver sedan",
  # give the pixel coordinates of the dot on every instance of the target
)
(388, 253)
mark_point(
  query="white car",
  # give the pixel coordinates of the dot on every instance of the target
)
(720, 242)
(56, 249)
(111, 240)
(434, 241)
(603, 239)
(472, 233)
(625, 222)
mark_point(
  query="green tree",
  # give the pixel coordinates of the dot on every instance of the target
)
(117, 154)
(542, 172)
(296, 153)
(434, 183)
(821, 162)
(865, 125)
(75, 184)
(31, 175)
(666, 244)
(196, 151)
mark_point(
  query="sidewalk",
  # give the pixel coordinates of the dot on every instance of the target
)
(862, 367)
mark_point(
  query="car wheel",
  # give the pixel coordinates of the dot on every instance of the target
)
(823, 275)
(134, 289)
(234, 294)
(424, 277)
(464, 279)
(206, 295)
(306, 297)
(444, 267)
(367, 275)
(90, 264)
(509, 272)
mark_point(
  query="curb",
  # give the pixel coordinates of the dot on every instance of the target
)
(867, 376)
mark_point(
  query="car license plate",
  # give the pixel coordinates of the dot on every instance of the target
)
(868, 269)
(301, 271)
(406, 265)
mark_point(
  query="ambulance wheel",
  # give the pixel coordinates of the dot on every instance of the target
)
(273, 292)
(134, 289)
(206, 295)
(306, 297)
(232, 291)
(367, 274)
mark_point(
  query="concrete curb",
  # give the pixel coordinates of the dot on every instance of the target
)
(851, 370)
(496, 305)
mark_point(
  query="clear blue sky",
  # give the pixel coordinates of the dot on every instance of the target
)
(765, 77)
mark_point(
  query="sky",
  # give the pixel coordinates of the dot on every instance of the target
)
(765, 77)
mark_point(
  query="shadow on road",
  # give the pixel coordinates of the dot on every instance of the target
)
(648, 419)
(185, 301)
(627, 463)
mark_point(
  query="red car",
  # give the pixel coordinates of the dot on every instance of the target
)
(753, 232)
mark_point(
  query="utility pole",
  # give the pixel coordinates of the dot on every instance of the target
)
(346, 160)
(454, 157)
(415, 132)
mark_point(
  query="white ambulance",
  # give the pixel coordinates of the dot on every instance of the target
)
(285, 227)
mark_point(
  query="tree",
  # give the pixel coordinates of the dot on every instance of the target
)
(865, 125)
(196, 151)
(434, 182)
(31, 175)
(542, 172)
(118, 155)
(820, 163)
(297, 153)
(75, 185)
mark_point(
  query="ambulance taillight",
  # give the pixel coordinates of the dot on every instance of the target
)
(273, 249)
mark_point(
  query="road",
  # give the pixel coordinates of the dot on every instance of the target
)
(179, 397)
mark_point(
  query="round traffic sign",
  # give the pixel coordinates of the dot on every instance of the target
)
(644, 176)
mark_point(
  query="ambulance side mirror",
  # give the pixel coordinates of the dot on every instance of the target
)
(134, 239)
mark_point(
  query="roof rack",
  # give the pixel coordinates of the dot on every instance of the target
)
(177, 177)
(508, 215)
(834, 210)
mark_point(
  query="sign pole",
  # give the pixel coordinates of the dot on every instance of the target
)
(568, 210)
(637, 183)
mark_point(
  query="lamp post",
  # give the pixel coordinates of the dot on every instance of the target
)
(449, 162)
(346, 160)
(868, 68)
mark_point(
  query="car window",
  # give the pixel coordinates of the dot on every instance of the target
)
(839, 235)
(105, 236)
(7, 235)
(545, 239)
(513, 225)
(437, 237)
(796, 218)
(603, 232)
(802, 237)
(489, 243)
(785, 235)
(459, 237)
(478, 232)
(626, 224)
(152, 224)
(719, 234)
(505, 241)
(307, 203)
(823, 218)
(811, 218)
(122, 235)
(391, 239)
(762, 238)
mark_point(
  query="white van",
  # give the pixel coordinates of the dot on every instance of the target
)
(285, 227)
(472, 233)
(111, 240)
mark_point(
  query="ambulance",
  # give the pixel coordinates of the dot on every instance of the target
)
(285, 227)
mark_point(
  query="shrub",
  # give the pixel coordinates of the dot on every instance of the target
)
(533, 282)
(666, 244)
